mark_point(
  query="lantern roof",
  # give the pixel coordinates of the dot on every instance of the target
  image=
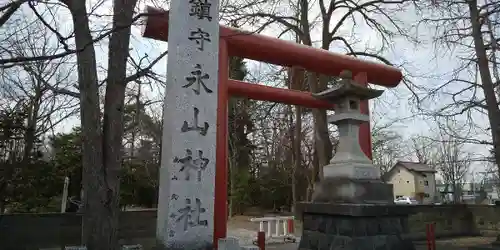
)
(348, 88)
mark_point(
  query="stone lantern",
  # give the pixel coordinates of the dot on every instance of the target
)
(350, 177)
(352, 208)
(349, 160)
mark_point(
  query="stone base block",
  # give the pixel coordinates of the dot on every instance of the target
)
(354, 210)
(350, 169)
(183, 246)
(348, 190)
(354, 227)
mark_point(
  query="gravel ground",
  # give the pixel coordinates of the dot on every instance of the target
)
(241, 228)
(448, 244)
(461, 243)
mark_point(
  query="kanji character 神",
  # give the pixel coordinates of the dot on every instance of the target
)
(189, 164)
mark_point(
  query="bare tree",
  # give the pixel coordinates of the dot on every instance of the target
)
(296, 17)
(423, 148)
(296, 81)
(469, 29)
(101, 132)
(387, 149)
(454, 163)
(28, 87)
(33, 83)
(102, 143)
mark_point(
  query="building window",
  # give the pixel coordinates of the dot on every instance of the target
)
(427, 195)
(426, 183)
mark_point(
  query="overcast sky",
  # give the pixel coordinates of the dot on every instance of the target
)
(417, 60)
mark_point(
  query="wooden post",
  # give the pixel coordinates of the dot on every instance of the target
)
(261, 240)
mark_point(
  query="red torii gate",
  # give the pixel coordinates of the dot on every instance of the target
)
(234, 42)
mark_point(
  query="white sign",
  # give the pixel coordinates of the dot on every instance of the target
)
(187, 173)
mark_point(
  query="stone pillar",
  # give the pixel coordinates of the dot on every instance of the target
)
(352, 208)
(187, 172)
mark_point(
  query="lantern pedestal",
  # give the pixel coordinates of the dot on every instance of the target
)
(354, 226)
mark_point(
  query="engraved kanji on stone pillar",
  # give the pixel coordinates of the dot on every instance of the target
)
(187, 174)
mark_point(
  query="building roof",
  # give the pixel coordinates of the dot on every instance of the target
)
(413, 167)
(416, 166)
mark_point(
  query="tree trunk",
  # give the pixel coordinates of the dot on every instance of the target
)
(101, 148)
(323, 144)
(113, 118)
(487, 84)
(136, 121)
(297, 153)
(456, 193)
(30, 134)
(296, 83)
(94, 236)
(494, 50)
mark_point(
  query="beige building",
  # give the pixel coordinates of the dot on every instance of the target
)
(413, 179)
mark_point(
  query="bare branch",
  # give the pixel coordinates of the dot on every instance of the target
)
(10, 9)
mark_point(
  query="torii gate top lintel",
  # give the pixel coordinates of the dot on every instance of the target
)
(280, 52)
